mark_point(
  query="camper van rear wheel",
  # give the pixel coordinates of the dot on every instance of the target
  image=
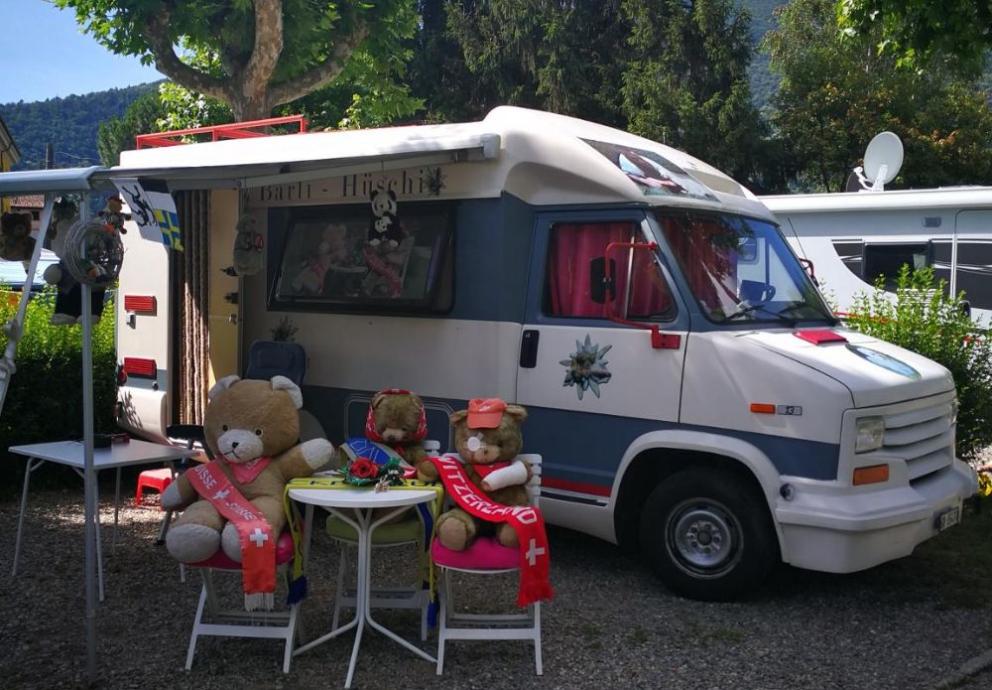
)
(706, 536)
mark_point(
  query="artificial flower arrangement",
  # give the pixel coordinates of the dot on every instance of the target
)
(364, 471)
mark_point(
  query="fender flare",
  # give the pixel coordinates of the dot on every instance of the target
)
(735, 449)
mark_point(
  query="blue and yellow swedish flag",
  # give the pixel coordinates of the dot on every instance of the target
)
(168, 221)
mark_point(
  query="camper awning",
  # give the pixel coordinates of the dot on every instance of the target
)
(281, 161)
(59, 180)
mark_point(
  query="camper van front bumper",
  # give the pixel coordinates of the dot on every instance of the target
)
(824, 529)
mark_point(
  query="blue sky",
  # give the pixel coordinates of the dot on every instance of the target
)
(46, 54)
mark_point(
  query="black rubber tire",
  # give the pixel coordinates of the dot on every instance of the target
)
(733, 515)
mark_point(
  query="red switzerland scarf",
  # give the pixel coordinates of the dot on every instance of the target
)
(258, 547)
(527, 521)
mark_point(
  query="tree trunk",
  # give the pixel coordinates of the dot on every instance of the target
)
(246, 109)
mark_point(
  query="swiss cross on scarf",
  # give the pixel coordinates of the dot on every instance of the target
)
(258, 547)
(526, 521)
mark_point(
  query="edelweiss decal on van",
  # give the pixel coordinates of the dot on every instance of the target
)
(586, 368)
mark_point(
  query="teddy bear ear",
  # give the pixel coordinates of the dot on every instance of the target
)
(379, 397)
(281, 383)
(517, 412)
(222, 385)
(457, 417)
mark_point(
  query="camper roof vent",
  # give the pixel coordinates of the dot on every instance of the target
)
(231, 130)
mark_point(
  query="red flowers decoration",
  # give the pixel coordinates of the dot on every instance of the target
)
(363, 468)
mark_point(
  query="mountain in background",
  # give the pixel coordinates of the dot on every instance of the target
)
(70, 124)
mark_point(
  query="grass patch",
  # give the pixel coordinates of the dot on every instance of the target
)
(718, 634)
(956, 564)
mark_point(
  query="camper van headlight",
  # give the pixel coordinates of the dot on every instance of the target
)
(871, 432)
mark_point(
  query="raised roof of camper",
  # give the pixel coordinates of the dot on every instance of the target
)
(895, 200)
(542, 158)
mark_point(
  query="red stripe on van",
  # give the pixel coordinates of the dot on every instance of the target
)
(578, 487)
(137, 366)
(141, 304)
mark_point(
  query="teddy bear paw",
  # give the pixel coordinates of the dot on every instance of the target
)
(507, 536)
(453, 534)
(230, 541)
(192, 543)
(62, 320)
(317, 452)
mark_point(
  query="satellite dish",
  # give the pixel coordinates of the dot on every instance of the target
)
(883, 158)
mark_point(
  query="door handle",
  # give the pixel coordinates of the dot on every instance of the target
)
(528, 349)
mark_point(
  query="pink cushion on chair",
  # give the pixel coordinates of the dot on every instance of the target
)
(485, 553)
(284, 554)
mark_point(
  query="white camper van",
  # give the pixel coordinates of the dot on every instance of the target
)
(854, 237)
(688, 388)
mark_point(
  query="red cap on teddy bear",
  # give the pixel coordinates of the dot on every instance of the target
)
(485, 413)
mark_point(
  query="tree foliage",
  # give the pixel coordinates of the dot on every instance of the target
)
(918, 32)
(835, 94)
(117, 133)
(253, 56)
(925, 319)
(686, 82)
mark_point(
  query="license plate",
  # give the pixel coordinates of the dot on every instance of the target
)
(948, 518)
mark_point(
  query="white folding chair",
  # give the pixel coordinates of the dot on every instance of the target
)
(236, 622)
(489, 626)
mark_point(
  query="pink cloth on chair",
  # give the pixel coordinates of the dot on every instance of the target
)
(485, 553)
(284, 554)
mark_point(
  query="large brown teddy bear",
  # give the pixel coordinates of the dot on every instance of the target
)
(488, 439)
(396, 419)
(244, 421)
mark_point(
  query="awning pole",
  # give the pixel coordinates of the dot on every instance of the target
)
(89, 475)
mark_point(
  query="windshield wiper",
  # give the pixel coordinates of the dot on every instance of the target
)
(830, 318)
(746, 309)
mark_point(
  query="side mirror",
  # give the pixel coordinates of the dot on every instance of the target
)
(966, 308)
(602, 286)
(659, 340)
(810, 270)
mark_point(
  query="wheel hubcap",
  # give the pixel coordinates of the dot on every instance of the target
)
(703, 537)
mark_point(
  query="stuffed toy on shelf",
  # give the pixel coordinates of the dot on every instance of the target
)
(488, 440)
(235, 502)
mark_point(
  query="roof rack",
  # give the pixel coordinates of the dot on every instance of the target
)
(231, 130)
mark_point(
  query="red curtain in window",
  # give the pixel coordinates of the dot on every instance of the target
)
(574, 246)
(707, 258)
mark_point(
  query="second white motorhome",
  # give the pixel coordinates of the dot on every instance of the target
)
(852, 238)
(688, 388)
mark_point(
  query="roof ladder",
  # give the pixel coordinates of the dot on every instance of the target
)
(14, 328)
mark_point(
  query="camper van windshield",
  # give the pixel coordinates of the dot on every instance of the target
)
(741, 269)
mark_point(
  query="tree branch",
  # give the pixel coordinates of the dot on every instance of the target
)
(156, 33)
(268, 47)
(321, 74)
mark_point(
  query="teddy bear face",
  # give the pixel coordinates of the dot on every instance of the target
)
(486, 446)
(250, 419)
(397, 416)
(383, 202)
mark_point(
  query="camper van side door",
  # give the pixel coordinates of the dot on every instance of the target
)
(592, 385)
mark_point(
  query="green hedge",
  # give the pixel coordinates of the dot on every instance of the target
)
(925, 319)
(45, 400)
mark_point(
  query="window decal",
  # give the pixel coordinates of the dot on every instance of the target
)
(655, 174)
(585, 368)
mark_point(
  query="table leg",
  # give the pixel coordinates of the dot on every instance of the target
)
(368, 610)
(33, 464)
(308, 532)
(117, 507)
(362, 595)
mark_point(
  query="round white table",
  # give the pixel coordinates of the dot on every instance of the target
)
(354, 506)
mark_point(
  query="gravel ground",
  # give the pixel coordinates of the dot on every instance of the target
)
(611, 624)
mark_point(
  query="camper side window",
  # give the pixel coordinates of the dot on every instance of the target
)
(339, 257)
(887, 259)
(582, 281)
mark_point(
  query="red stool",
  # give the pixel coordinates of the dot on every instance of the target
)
(158, 480)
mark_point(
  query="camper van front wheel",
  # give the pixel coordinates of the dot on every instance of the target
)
(706, 537)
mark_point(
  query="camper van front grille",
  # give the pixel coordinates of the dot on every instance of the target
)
(923, 437)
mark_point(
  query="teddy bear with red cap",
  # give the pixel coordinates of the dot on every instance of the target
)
(488, 440)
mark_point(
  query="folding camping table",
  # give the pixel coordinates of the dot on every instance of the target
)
(70, 453)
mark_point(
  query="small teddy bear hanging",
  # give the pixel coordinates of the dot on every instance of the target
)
(385, 228)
